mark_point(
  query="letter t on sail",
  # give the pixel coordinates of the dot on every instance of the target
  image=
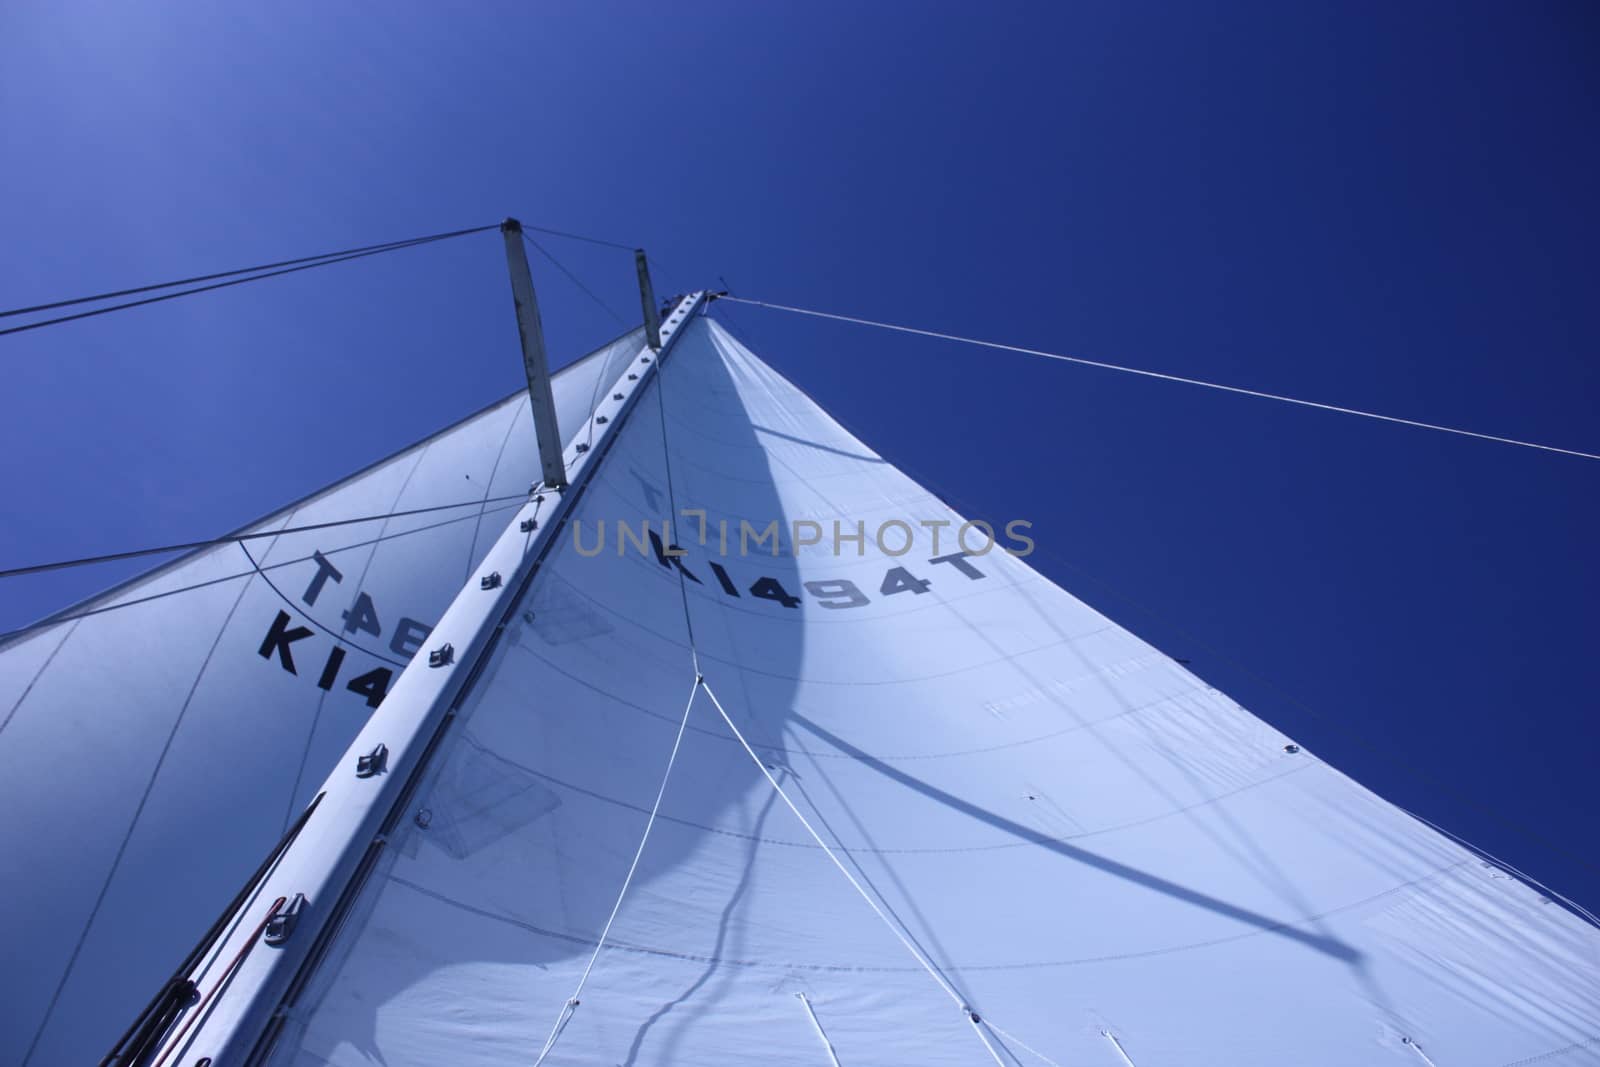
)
(554, 469)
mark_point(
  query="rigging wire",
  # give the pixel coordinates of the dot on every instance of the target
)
(229, 539)
(318, 262)
(1338, 723)
(577, 237)
(1164, 377)
(573, 278)
(385, 246)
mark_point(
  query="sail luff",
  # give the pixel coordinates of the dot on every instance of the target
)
(326, 863)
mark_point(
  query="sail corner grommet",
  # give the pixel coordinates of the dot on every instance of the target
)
(442, 656)
(490, 580)
(281, 925)
(1291, 748)
(373, 763)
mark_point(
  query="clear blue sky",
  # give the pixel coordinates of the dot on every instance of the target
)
(1388, 206)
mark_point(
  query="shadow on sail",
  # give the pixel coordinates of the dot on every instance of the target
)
(526, 823)
(1083, 842)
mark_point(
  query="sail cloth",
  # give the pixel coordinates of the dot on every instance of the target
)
(155, 742)
(1100, 855)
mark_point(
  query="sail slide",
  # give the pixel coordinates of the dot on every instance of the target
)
(156, 741)
(1019, 834)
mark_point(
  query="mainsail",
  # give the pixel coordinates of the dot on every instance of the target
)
(183, 719)
(923, 807)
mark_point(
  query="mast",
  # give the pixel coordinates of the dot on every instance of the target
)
(246, 981)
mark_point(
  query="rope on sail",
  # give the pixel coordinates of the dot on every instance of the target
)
(811, 1013)
(877, 909)
(700, 683)
(1166, 377)
(1121, 1052)
(1017, 1041)
(571, 1006)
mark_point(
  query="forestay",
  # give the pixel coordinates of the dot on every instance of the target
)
(1106, 860)
(156, 741)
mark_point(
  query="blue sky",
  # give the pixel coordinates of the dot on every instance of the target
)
(1384, 206)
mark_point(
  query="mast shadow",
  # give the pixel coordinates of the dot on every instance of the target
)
(1328, 945)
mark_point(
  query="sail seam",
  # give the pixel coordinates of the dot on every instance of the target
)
(488, 487)
(58, 620)
(834, 968)
(133, 824)
(866, 851)
(893, 758)
(51, 658)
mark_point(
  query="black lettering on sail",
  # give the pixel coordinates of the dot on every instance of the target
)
(279, 637)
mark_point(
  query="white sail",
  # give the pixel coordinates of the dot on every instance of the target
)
(1099, 858)
(191, 713)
